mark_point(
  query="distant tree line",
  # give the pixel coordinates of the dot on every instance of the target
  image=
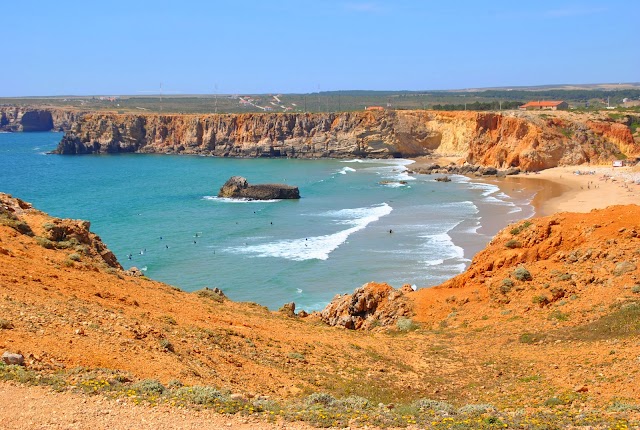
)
(479, 106)
(575, 96)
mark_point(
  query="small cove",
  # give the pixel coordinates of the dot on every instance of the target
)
(160, 214)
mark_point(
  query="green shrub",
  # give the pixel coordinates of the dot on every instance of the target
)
(213, 294)
(559, 316)
(566, 132)
(506, 286)
(517, 230)
(512, 243)
(406, 325)
(565, 277)
(199, 395)
(541, 300)
(75, 257)
(435, 405)
(635, 289)
(296, 356)
(174, 383)
(166, 344)
(20, 226)
(529, 338)
(321, 399)
(354, 402)
(149, 387)
(622, 406)
(522, 274)
(45, 243)
(168, 319)
(5, 324)
(478, 409)
(553, 401)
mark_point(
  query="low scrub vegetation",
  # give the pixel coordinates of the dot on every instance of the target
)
(522, 274)
(517, 230)
(326, 410)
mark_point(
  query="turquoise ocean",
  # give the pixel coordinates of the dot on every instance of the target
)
(160, 213)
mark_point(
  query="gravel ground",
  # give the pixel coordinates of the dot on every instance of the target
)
(40, 408)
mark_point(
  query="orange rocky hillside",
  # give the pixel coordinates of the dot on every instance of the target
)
(548, 310)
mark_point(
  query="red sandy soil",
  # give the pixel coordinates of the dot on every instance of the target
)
(470, 348)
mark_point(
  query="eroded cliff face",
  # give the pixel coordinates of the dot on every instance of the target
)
(515, 139)
(15, 118)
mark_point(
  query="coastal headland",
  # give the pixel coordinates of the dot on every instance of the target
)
(528, 141)
(541, 328)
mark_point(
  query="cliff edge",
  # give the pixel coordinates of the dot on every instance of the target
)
(516, 139)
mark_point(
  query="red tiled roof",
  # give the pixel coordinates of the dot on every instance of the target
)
(549, 103)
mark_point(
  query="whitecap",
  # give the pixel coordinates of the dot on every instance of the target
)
(393, 184)
(345, 170)
(443, 246)
(318, 247)
(433, 262)
(486, 189)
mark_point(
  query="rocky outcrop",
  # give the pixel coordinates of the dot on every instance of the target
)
(21, 118)
(464, 169)
(369, 306)
(56, 233)
(515, 139)
(237, 187)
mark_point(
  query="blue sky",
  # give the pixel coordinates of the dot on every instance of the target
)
(284, 46)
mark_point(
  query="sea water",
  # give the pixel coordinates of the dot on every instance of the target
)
(357, 220)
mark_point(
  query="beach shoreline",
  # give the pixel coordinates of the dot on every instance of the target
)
(566, 188)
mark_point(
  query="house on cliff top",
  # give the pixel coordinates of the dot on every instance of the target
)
(548, 105)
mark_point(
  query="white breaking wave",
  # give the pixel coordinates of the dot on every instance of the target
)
(318, 247)
(394, 184)
(486, 189)
(444, 245)
(241, 200)
(345, 170)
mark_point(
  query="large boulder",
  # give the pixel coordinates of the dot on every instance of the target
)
(369, 306)
(237, 187)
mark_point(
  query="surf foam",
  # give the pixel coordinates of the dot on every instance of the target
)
(318, 247)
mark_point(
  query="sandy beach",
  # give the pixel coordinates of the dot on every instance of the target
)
(584, 188)
(568, 188)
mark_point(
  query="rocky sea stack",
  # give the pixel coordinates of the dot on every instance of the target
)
(237, 187)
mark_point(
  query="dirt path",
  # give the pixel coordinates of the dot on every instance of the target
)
(40, 408)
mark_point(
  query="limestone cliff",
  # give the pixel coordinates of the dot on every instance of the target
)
(514, 139)
(20, 118)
